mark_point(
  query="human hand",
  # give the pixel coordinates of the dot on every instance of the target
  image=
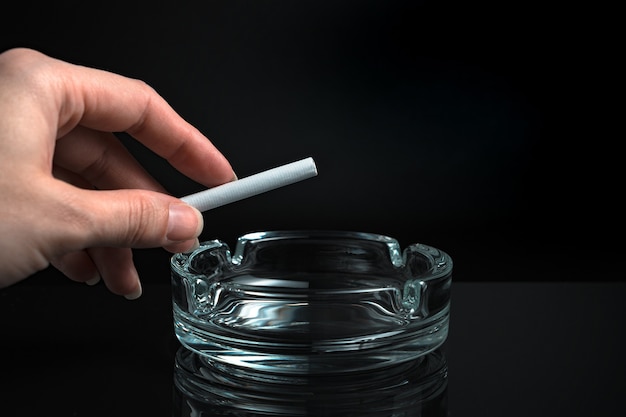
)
(71, 195)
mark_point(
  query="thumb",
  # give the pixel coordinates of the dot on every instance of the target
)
(140, 219)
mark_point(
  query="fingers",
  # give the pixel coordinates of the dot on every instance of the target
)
(134, 218)
(117, 270)
(114, 265)
(77, 266)
(102, 160)
(114, 103)
(53, 97)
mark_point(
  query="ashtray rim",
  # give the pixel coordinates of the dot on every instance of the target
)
(441, 262)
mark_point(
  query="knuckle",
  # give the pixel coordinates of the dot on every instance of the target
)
(143, 224)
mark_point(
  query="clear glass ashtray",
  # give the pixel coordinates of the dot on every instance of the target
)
(311, 302)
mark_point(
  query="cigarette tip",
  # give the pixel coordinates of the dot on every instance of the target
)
(313, 165)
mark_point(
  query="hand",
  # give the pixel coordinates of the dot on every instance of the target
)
(70, 193)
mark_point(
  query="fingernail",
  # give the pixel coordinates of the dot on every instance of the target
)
(196, 245)
(93, 281)
(184, 223)
(135, 294)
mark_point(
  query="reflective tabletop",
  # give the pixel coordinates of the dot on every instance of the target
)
(514, 349)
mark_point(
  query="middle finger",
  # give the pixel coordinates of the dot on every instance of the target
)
(102, 160)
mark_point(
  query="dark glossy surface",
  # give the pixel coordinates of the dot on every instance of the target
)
(514, 349)
(414, 388)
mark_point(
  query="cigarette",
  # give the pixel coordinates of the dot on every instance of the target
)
(252, 185)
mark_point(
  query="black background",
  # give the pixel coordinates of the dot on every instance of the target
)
(483, 128)
(476, 127)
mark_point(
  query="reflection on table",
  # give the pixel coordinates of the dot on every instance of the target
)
(415, 388)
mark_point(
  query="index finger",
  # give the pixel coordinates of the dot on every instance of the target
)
(110, 102)
(138, 110)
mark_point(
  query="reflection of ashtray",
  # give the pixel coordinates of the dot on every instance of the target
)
(414, 388)
(311, 302)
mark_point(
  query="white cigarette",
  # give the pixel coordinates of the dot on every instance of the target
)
(252, 185)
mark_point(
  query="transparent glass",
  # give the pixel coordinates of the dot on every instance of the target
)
(311, 302)
(414, 388)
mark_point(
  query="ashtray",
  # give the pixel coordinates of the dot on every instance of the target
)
(311, 302)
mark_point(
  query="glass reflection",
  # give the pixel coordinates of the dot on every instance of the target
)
(416, 388)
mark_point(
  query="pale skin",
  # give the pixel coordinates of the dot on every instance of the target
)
(71, 195)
